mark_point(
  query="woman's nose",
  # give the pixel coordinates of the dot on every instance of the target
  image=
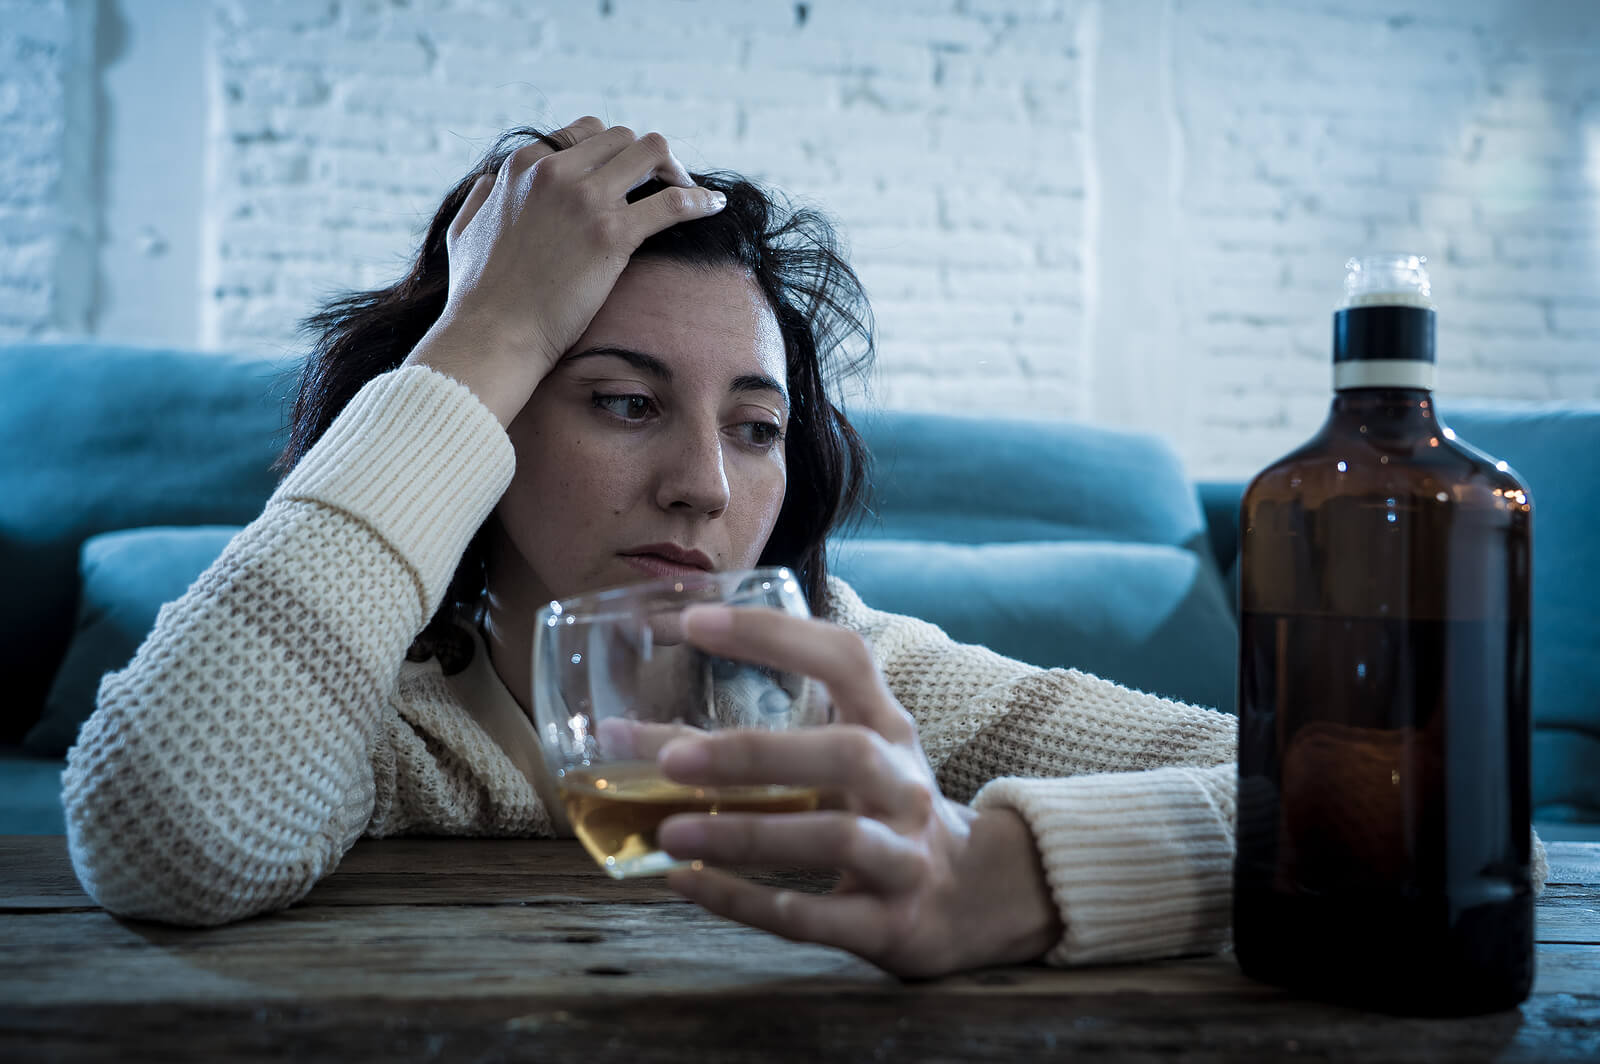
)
(691, 477)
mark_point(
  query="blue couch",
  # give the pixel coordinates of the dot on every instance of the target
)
(126, 470)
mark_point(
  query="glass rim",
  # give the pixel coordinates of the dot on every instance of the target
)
(592, 606)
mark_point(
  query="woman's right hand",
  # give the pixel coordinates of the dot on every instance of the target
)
(536, 248)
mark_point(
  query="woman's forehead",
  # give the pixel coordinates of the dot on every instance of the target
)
(697, 320)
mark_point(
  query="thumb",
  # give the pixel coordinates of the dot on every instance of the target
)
(670, 206)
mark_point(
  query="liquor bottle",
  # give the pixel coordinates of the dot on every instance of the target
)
(1384, 806)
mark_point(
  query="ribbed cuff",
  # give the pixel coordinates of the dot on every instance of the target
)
(1140, 863)
(420, 459)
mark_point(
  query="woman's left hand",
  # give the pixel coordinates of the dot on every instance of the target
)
(927, 886)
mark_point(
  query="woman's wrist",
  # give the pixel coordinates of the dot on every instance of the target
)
(1012, 917)
(502, 374)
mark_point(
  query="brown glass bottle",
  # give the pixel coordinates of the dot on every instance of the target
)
(1384, 808)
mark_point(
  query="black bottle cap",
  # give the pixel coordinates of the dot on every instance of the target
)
(1363, 334)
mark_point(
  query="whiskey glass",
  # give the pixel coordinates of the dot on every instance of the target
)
(614, 681)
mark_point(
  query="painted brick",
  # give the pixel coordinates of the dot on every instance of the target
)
(1476, 168)
(1583, 321)
(48, 226)
(955, 141)
(1059, 284)
(981, 394)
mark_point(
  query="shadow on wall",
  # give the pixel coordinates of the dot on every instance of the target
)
(110, 46)
(1504, 166)
(147, 162)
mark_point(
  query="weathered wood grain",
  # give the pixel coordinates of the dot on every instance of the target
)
(505, 949)
(1569, 915)
(1574, 863)
(407, 953)
(712, 1029)
(35, 873)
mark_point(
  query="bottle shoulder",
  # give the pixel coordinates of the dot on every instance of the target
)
(1495, 471)
(1338, 462)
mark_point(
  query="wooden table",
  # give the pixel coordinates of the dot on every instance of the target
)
(505, 950)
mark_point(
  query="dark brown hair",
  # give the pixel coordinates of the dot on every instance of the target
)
(793, 255)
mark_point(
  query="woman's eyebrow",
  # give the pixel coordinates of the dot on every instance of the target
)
(747, 382)
(758, 382)
(637, 359)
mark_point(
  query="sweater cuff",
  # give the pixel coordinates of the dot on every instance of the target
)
(1140, 864)
(418, 458)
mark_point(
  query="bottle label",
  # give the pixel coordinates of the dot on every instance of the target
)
(1383, 373)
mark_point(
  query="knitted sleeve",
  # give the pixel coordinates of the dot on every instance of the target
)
(981, 715)
(259, 730)
(1130, 798)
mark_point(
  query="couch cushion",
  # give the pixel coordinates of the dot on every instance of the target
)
(31, 791)
(126, 577)
(1555, 449)
(1219, 501)
(1145, 615)
(96, 438)
(1053, 542)
(979, 480)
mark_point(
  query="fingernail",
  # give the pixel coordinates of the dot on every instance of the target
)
(707, 621)
(684, 757)
(718, 201)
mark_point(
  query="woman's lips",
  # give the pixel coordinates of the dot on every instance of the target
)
(667, 560)
(656, 565)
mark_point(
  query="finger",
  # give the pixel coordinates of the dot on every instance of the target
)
(623, 161)
(855, 922)
(836, 656)
(646, 158)
(469, 209)
(577, 132)
(631, 740)
(563, 139)
(670, 207)
(878, 855)
(597, 149)
(842, 758)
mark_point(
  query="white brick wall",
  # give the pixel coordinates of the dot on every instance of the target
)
(47, 215)
(947, 144)
(1468, 131)
(1130, 211)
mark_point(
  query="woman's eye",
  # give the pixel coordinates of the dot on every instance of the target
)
(627, 407)
(763, 433)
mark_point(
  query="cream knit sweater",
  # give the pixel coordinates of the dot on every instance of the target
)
(270, 719)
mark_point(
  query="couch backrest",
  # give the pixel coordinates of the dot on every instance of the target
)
(1059, 544)
(97, 437)
(1555, 449)
(1056, 543)
(959, 479)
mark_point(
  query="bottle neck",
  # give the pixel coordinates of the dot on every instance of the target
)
(1398, 410)
(1383, 346)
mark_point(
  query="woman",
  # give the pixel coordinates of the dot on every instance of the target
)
(601, 370)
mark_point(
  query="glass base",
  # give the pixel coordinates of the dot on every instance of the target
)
(655, 863)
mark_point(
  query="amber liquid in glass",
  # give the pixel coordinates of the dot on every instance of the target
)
(615, 810)
(1383, 819)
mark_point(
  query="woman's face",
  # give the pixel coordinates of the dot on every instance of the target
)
(655, 446)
